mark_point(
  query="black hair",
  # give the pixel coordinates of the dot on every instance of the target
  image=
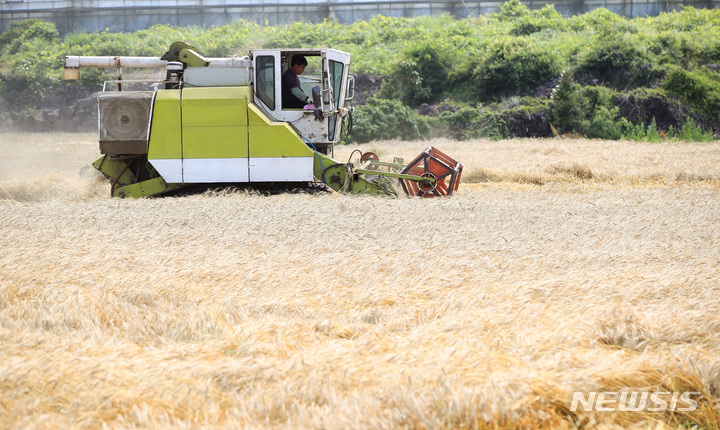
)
(299, 60)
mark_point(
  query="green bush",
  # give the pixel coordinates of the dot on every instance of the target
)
(21, 33)
(546, 18)
(382, 119)
(568, 106)
(618, 61)
(598, 96)
(421, 76)
(587, 111)
(514, 66)
(599, 19)
(700, 88)
(689, 38)
(304, 34)
(680, 49)
(691, 132)
(407, 84)
(688, 19)
(30, 64)
(14, 31)
(511, 10)
(640, 132)
(604, 124)
(472, 123)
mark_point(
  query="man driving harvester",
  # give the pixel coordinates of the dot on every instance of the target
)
(293, 96)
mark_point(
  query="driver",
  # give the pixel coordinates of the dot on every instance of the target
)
(293, 96)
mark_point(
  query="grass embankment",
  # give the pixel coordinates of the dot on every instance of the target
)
(486, 309)
(492, 76)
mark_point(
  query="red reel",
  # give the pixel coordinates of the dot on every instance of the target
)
(369, 156)
(432, 163)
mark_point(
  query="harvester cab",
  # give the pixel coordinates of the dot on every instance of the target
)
(223, 121)
(326, 79)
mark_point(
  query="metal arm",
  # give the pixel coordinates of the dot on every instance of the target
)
(73, 63)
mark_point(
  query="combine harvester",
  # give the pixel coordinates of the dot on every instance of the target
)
(221, 121)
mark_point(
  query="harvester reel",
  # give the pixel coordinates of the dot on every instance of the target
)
(432, 164)
(369, 156)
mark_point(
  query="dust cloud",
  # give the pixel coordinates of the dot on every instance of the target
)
(43, 166)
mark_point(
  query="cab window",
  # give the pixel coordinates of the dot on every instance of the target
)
(266, 80)
(336, 73)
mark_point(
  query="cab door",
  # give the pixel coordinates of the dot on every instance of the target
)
(266, 79)
(336, 64)
(276, 153)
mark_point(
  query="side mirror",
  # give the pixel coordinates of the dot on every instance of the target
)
(317, 101)
(350, 88)
(317, 95)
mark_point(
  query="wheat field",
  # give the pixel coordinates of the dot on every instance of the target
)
(559, 266)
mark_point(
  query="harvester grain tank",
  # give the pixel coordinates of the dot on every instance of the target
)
(222, 121)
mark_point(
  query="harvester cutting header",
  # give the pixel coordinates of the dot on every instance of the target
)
(226, 121)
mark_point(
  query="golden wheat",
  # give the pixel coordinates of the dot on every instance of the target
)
(559, 266)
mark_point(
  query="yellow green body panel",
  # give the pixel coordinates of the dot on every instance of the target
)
(268, 138)
(214, 106)
(192, 58)
(215, 142)
(149, 187)
(276, 140)
(214, 122)
(218, 123)
(165, 132)
(125, 184)
(115, 170)
(256, 116)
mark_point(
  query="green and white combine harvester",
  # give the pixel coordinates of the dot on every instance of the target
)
(221, 121)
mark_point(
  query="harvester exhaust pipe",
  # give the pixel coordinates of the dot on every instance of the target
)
(73, 63)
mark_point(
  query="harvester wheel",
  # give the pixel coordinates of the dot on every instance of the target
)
(369, 156)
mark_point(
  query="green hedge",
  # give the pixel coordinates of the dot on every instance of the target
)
(700, 88)
(388, 119)
(514, 65)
